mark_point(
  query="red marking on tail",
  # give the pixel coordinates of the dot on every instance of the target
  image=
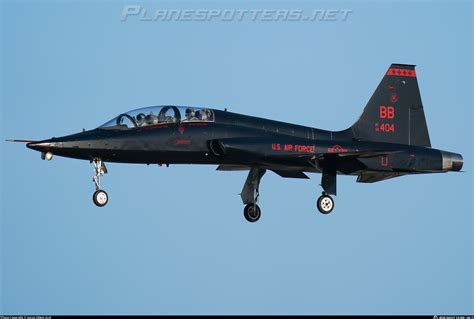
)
(401, 72)
(393, 97)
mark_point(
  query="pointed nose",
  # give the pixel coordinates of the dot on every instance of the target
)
(43, 146)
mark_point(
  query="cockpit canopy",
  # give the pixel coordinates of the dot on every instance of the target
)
(156, 115)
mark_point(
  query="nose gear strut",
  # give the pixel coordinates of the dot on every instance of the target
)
(100, 196)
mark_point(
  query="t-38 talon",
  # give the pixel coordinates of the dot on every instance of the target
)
(390, 139)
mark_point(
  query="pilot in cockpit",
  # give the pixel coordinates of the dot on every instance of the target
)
(190, 114)
(140, 119)
(203, 115)
(151, 119)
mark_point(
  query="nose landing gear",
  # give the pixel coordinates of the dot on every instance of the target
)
(100, 197)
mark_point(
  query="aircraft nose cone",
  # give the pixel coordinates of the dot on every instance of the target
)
(452, 161)
(42, 146)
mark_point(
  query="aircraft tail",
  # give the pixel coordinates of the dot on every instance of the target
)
(394, 113)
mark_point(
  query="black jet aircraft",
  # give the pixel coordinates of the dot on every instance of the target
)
(390, 139)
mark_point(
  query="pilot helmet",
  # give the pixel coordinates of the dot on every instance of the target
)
(189, 111)
(140, 117)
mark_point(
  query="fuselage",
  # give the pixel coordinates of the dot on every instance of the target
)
(236, 139)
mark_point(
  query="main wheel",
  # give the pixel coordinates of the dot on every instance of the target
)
(325, 204)
(100, 198)
(252, 213)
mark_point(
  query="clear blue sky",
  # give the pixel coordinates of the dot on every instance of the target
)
(174, 240)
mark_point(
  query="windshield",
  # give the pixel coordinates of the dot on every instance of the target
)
(156, 115)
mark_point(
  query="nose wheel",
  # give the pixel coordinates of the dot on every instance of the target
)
(100, 197)
(325, 204)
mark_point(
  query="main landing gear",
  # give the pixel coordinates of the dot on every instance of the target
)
(100, 196)
(325, 203)
(252, 212)
(250, 194)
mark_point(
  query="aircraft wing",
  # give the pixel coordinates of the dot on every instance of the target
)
(290, 174)
(231, 167)
(281, 172)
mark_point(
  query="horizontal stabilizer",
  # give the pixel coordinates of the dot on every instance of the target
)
(367, 154)
(290, 174)
(416, 171)
(373, 177)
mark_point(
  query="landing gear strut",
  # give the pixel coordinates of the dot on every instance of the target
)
(100, 196)
(250, 194)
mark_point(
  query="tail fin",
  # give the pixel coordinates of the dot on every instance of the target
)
(394, 113)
